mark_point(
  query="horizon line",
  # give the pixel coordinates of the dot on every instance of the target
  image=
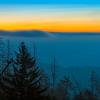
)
(51, 31)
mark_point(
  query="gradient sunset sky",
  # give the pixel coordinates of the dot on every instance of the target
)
(50, 15)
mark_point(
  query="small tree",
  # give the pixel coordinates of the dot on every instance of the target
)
(24, 80)
(64, 89)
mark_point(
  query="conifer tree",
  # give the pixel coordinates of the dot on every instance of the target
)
(24, 80)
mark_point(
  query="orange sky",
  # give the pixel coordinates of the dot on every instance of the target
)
(50, 19)
(53, 27)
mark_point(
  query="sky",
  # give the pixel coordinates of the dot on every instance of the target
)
(50, 2)
(50, 15)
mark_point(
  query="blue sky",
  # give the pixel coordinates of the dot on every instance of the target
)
(87, 2)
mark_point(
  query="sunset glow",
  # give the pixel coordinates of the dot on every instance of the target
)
(50, 18)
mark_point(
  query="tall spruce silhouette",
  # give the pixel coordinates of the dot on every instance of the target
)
(24, 80)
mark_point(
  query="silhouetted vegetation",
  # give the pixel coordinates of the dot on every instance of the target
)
(22, 79)
(85, 95)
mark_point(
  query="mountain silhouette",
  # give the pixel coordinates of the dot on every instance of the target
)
(32, 33)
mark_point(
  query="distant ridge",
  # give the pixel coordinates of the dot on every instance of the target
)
(39, 33)
(31, 33)
(76, 33)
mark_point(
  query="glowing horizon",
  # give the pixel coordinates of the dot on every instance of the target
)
(55, 18)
